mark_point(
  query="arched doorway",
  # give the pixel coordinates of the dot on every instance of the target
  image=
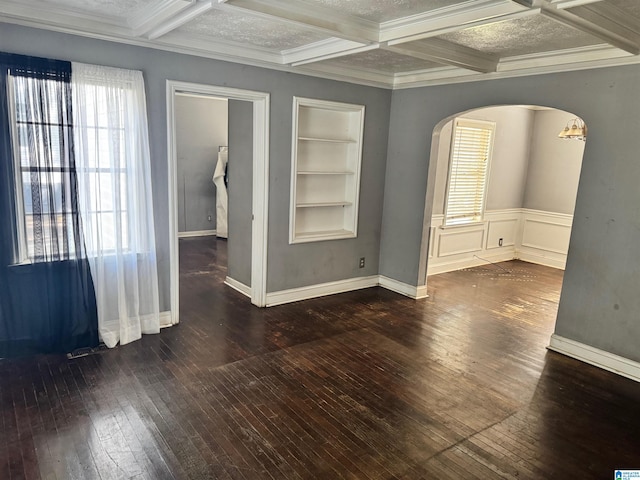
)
(529, 197)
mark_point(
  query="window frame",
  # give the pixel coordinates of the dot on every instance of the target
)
(20, 225)
(468, 122)
(22, 248)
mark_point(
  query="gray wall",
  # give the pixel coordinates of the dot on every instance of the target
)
(240, 172)
(289, 265)
(509, 161)
(554, 167)
(201, 127)
(599, 304)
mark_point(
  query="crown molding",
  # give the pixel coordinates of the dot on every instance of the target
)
(582, 58)
(220, 49)
(43, 14)
(564, 58)
(359, 76)
(108, 28)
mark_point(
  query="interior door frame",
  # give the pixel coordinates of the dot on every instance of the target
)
(260, 197)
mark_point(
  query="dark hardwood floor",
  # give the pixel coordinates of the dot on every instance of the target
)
(363, 385)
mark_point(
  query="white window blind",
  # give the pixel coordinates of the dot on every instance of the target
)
(471, 146)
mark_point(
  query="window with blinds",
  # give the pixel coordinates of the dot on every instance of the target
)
(471, 145)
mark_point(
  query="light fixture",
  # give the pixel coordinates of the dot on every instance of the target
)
(576, 129)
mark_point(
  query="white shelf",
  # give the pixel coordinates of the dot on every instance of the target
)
(323, 204)
(325, 170)
(318, 172)
(310, 236)
(325, 140)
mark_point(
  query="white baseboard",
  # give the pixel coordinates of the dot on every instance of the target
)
(549, 259)
(436, 267)
(166, 320)
(403, 288)
(320, 290)
(594, 356)
(196, 233)
(239, 286)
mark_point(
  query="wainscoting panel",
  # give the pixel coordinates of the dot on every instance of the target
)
(545, 238)
(530, 235)
(507, 230)
(459, 240)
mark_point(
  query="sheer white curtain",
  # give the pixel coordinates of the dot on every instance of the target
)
(114, 183)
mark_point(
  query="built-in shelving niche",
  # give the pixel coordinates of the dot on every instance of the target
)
(325, 177)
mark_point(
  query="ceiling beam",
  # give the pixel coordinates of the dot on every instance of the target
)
(532, 3)
(562, 4)
(444, 20)
(150, 18)
(602, 21)
(305, 15)
(341, 53)
(324, 50)
(447, 53)
(178, 20)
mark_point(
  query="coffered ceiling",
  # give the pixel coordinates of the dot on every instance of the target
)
(388, 43)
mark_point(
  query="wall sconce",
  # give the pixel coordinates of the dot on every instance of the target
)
(576, 129)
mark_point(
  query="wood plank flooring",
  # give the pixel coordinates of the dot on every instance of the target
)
(363, 385)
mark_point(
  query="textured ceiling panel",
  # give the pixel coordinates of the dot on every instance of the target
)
(253, 30)
(383, 61)
(522, 36)
(117, 8)
(382, 10)
(630, 7)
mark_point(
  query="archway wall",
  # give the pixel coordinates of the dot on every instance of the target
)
(599, 302)
(530, 195)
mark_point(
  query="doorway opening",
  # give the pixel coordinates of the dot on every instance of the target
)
(253, 112)
(202, 148)
(529, 194)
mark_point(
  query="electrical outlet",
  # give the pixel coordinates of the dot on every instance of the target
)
(361, 262)
(499, 242)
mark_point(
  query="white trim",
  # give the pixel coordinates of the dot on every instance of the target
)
(515, 246)
(152, 17)
(564, 218)
(324, 49)
(168, 24)
(449, 19)
(596, 357)
(342, 286)
(238, 286)
(196, 233)
(558, 261)
(166, 319)
(318, 18)
(460, 264)
(403, 288)
(351, 195)
(260, 196)
(542, 247)
(320, 290)
(110, 28)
